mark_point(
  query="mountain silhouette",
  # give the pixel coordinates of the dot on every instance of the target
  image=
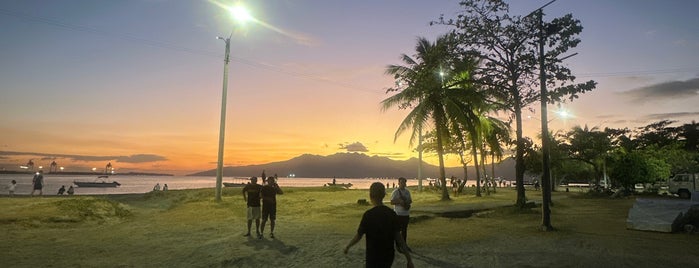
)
(355, 165)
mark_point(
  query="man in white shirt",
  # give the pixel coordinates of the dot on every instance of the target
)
(401, 201)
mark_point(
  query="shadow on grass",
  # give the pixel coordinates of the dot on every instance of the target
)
(270, 244)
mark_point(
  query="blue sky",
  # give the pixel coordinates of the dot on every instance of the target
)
(134, 78)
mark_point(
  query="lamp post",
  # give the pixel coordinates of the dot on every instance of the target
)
(241, 14)
(222, 129)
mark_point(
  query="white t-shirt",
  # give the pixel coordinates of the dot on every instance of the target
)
(399, 209)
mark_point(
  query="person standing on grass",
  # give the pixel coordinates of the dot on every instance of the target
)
(11, 187)
(251, 194)
(401, 201)
(380, 224)
(38, 182)
(269, 194)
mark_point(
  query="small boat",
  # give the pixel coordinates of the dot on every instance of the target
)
(234, 184)
(344, 185)
(237, 182)
(99, 182)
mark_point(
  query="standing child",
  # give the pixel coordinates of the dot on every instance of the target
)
(12, 187)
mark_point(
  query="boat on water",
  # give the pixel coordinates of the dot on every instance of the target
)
(333, 184)
(237, 182)
(234, 184)
(99, 182)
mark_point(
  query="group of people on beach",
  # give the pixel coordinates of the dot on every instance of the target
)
(156, 188)
(386, 229)
(38, 184)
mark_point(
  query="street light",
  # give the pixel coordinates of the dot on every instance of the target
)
(239, 13)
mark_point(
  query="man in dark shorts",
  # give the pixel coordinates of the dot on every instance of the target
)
(38, 182)
(380, 224)
(402, 201)
(269, 194)
(251, 194)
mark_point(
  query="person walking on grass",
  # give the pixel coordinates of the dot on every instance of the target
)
(251, 194)
(269, 194)
(380, 225)
(38, 182)
(401, 201)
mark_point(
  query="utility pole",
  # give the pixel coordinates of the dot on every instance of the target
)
(222, 126)
(545, 148)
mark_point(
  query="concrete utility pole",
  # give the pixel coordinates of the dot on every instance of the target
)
(222, 130)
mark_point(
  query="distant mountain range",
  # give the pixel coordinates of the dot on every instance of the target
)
(354, 165)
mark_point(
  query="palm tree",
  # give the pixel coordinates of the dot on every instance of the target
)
(422, 89)
(499, 133)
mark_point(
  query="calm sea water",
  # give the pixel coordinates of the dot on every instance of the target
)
(143, 184)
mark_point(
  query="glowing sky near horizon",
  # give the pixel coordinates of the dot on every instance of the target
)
(138, 82)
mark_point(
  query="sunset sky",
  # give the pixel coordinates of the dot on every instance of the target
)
(138, 82)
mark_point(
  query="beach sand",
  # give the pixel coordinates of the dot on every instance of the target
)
(188, 229)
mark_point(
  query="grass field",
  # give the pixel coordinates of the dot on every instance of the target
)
(189, 229)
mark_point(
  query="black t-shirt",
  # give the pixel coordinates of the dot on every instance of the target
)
(380, 225)
(269, 195)
(253, 191)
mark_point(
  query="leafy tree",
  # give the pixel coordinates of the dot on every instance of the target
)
(690, 134)
(588, 145)
(635, 167)
(656, 134)
(506, 47)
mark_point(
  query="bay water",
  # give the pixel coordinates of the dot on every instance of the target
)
(142, 184)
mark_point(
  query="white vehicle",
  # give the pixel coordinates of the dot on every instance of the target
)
(683, 184)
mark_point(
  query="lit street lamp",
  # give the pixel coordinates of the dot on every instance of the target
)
(239, 13)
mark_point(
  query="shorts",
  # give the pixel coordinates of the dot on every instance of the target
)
(269, 212)
(253, 213)
(38, 186)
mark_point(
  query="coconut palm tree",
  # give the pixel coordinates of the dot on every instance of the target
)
(498, 135)
(421, 88)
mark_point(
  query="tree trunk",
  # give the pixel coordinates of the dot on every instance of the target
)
(492, 170)
(474, 150)
(519, 153)
(440, 154)
(463, 162)
(485, 173)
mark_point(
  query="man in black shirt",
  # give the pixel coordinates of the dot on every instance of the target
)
(269, 204)
(251, 193)
(380, 224)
